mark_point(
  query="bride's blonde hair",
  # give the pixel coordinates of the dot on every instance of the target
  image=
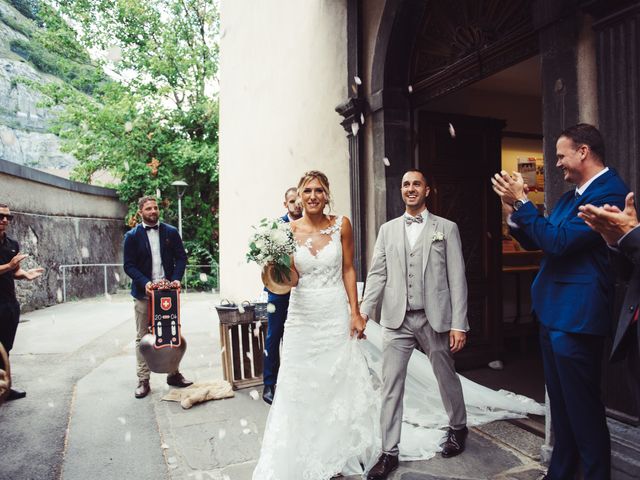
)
(322, 179)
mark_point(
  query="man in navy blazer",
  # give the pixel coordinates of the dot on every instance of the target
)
(572, 296)
(619, 228)
(275, 327)
(152, 251)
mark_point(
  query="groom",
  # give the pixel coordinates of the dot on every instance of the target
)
(418, 270)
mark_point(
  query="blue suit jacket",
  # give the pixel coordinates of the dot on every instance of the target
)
(573, 291)
(137, 257)
(274, 296)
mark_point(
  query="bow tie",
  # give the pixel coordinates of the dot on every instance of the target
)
(151, 227)
(409, 219)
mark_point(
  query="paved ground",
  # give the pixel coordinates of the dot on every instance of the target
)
(80, 419)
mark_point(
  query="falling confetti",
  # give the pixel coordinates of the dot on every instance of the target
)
(496, 365)
(222, 433)
(127, 437)
(248, 354)
(362, 118)
(243, 422)
(357, 80)
(203, 277)
(240, 309)
(452, 131)
(386, 162)
(266, 352)
(271, 308)
(114, 54)
(128, 126)
(410, 88)
(355, 127)
(7, 137)
(246, 431)
(122, 420)
(254, 394)
(85, 252)
(117, 276)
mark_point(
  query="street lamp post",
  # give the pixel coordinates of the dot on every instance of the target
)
(181, 187)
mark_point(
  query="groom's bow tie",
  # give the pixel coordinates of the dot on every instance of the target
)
(409, 219)
(151, 227)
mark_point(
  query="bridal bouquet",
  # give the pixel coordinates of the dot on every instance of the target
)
(272, 246)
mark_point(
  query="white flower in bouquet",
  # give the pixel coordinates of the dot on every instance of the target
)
(272, 242)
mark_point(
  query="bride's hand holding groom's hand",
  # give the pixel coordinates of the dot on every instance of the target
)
(358, 324)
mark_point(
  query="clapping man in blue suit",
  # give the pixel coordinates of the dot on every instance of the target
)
(275, 328)
(571, 297)
(152, 251)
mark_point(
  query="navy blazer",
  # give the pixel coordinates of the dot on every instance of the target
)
(628, 260)
(275, 297)
(573, 291)
(137, 257)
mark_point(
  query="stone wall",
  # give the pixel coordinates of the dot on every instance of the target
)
(59, 222)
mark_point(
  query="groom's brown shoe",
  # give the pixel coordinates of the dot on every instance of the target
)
(454, 444)
(384, 466)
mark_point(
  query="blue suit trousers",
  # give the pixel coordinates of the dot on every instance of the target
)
(572, 369)
(275, 331)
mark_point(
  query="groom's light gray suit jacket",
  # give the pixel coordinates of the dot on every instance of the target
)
(444, 282)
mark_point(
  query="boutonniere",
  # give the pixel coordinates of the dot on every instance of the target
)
(437, 237)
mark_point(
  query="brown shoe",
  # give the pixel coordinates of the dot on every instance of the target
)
(143, 389)
(383, 467)
(177, 380)
(454, 444)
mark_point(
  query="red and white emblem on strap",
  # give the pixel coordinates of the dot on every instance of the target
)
(165, 303)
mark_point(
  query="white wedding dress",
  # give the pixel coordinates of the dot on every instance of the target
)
(325, 417)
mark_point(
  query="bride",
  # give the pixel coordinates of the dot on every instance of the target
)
(324, 420)
(324, 416)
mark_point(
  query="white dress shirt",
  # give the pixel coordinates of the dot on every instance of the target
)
(157, 272)
(414, 230)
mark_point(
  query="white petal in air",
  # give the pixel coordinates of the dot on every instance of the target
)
(362, 118)
(114, 54)
(410, 89)
(122, 420)
(203, 277)
(246, 431)
(222, 433)
(243, 422)
(357, 80)
(240, 309)
(254, 394)
(386, 162)
(452, 131)
(117, 276)
(59, 295)
(354, 128)
(271, 308)
(85, 252)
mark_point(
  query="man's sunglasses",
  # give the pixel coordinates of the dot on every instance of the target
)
(5, 215)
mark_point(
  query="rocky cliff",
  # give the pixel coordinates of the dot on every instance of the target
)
(24, 123)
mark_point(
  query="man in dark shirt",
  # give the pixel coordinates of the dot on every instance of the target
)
(10, 258)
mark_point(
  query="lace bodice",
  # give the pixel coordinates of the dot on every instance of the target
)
(318, 257)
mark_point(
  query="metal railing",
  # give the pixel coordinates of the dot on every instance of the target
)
(64, 268)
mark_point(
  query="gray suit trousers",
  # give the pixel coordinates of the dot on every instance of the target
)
(397, 347)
